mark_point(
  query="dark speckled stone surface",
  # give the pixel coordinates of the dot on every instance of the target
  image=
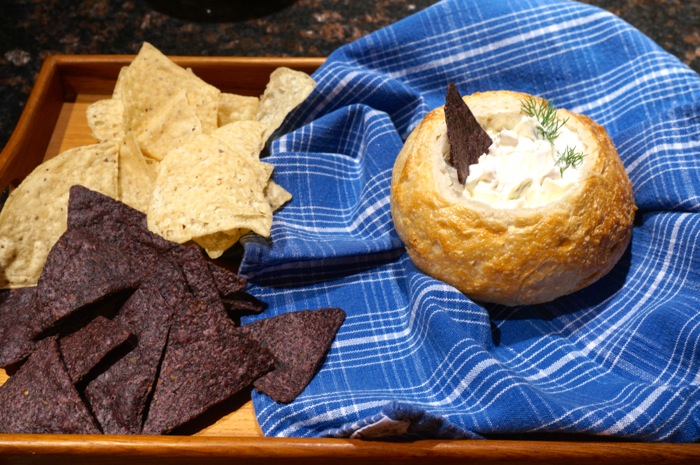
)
(30, 30)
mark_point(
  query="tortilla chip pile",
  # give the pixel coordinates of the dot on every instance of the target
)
(129, 333)
(171, 146)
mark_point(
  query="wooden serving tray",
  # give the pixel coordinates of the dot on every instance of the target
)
(53, 121)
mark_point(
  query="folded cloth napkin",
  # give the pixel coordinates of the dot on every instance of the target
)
(417, 359)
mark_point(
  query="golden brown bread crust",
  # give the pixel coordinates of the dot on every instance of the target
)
(512, 256)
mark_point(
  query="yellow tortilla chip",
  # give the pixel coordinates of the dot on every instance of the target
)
(106, 119)
(244, 137)
(204, 188)
(117, 92)
(136, 178)
(34, 216)
(152, 79)
(276, 195)
(219, 242)
(286, 89)
(216, 244)
(153, 167)
(171, 125)
(234, 107)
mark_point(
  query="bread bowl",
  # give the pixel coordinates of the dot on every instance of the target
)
(540, 245)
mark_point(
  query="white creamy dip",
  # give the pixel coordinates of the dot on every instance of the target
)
(520, 168)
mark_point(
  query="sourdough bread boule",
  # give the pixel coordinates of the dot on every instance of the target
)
(519, 255)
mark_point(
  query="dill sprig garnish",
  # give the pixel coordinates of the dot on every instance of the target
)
(568, 158)
(545, 113)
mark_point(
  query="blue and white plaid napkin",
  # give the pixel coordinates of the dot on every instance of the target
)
(417, 359)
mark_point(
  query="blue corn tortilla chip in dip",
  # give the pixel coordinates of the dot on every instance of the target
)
(468, 140)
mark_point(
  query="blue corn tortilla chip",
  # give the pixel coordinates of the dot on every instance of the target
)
(198, 273)
(207, 361)
(81, 270)
(116, 223)
(119, 225)
(84, 349)
(227, 282)
(120, 394)
(468, 140)
(41, 398)
(220, 288)
(242, 303)
(299, 342)
(17, 325)
(231, 287)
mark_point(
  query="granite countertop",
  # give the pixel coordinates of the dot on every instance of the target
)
(31, 30)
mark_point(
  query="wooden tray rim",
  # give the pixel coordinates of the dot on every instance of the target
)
(167, 449)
